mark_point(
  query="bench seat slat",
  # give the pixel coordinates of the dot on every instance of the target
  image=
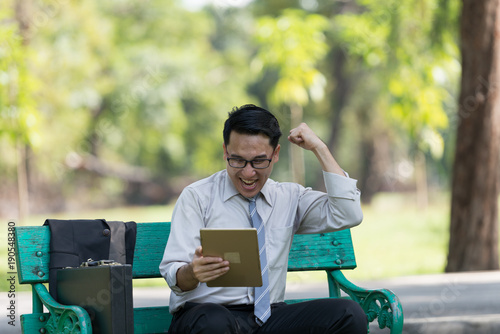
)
(151, 319)
(34, 322)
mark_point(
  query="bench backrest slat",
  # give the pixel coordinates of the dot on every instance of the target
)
(32, 253)
(309, 251)
(149, 248)
(324, 251)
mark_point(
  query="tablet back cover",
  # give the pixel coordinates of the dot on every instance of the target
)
(238, 246)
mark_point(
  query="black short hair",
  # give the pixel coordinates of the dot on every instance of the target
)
(252, 120)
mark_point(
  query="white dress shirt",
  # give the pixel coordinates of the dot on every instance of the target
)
(285, 208)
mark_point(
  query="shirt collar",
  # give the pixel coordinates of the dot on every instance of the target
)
(229, 188)
(266, 192)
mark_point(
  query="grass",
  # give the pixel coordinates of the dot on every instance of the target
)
(396, 237)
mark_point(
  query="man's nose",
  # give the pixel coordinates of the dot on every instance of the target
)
(248, 169)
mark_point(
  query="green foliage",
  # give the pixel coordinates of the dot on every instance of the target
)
(393, 41)
(362, 36)
(293, 43)
(122, 76)
(417, 107)
(18, 110)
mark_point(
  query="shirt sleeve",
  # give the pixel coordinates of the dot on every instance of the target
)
(181, 245)
(337, 209)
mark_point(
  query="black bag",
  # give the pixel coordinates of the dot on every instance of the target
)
(75, 241)
(104, 291)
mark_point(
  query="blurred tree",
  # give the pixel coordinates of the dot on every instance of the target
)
(475, 186)
(292, 44)
(392, 43)
(390, 64)
(18, 109)
(134, 96)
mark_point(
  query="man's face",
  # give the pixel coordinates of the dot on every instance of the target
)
(248, 180)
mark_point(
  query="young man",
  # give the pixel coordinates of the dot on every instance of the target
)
(224, 200)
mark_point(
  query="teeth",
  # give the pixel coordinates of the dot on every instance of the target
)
(248, 181)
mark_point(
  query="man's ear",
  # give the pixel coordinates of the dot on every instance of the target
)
(276, 155)
(225, 151)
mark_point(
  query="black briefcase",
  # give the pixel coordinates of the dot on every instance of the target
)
(104, 291)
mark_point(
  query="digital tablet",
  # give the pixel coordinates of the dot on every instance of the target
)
(238, 246)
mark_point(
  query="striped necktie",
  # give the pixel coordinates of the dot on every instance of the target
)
(262, 302)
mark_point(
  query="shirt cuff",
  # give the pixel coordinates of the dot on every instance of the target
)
(340, 186)
(171, 278)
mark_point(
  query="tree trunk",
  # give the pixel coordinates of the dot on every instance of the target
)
(475, 184)
(421, 181)
(22, 181)
(375, 165)
(297, 153)
(22, 11)
(338, 100)
(340, 95)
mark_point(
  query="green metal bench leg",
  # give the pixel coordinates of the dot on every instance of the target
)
(333, 287)
(37, 303)
(381, 304)
(63, 318)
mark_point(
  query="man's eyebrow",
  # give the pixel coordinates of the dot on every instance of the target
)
(262, 156)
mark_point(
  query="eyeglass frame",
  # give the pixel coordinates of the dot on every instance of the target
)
(250, 161)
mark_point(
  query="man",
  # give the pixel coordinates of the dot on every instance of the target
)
(223, 200)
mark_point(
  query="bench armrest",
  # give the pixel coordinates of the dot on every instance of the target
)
(381, 304)
(63, 318)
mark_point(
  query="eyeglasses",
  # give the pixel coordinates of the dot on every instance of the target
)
(256, 163)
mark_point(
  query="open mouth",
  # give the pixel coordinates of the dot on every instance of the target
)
(249, 184)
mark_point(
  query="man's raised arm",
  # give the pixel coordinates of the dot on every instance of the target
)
(304, 137)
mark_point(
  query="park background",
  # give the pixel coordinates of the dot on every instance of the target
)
(108, 109)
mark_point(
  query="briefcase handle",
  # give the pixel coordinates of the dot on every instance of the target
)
(95, 263)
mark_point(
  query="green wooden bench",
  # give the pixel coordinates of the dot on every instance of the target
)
(331, 252)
